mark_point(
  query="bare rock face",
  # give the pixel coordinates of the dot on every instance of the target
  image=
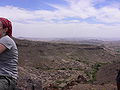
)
(28, 81)
(79, 80)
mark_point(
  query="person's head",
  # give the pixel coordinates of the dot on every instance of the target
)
(5, 27)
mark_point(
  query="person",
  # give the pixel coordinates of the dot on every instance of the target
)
(8, 56)
(118, 80)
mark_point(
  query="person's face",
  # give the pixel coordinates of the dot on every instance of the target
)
(2, 31)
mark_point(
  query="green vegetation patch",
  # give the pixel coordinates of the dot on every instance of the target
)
(92, 74)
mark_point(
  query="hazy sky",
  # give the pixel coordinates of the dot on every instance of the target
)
(63, 18)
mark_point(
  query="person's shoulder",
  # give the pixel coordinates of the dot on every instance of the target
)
(7, 38)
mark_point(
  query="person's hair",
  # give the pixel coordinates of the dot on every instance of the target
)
(7, 24)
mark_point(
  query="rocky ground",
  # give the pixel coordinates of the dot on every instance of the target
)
(61, 66)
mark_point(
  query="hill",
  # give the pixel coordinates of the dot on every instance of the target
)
(65, 66)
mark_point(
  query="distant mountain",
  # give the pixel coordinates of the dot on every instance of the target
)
(66, 40)
(79, 41)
